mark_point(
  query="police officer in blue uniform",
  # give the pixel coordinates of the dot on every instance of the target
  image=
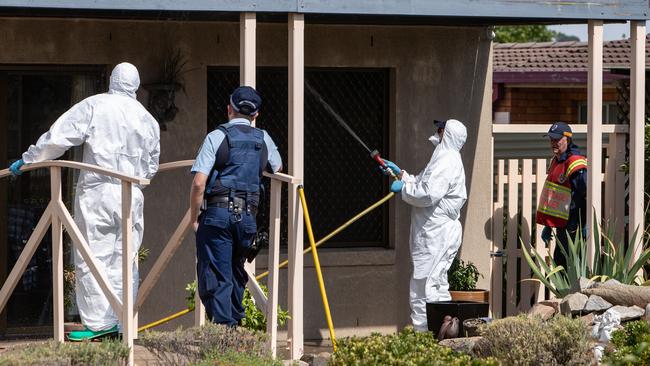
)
(227, 177)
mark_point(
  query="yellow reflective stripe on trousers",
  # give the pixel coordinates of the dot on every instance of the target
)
(574, 164)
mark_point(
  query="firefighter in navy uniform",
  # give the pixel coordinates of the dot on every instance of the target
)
(227, 177)
(562, 204)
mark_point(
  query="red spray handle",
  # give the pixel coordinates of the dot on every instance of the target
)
(375, 155)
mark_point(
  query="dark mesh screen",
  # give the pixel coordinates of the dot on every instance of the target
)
(340, 177)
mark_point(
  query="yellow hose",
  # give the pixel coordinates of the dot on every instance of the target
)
(319, 274)
(165, 320)
(284, 264)
(336, 231)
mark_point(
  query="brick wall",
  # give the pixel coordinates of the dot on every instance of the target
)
(544, 105)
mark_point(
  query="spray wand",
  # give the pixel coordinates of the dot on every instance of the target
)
(374, 154)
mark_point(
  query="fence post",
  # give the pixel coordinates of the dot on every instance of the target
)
(128, 326)
(527, 288)
(497, 244)
(296, 165)
(540, 245)
(273, 263)
(594, 127)
(57, 256)
(511, 244)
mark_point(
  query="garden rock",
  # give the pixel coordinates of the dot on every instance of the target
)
(611, 282)
(543, 311)
(472, 346)
(619, 294)
(588, 319)
(646, 317)
(554, 303)
(597, 303)
(629, 312)
(585, 283)
(320, 359)
(294, 363)
(573, 303)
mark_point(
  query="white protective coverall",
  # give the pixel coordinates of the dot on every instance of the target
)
(437, 194)
(117, 133)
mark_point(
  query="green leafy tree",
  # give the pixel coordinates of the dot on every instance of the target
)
(529, 33)
(523, 33)
(561, 37)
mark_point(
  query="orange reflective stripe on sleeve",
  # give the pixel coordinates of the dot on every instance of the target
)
(575, 166)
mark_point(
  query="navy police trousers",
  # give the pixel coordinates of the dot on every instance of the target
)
(221, 239)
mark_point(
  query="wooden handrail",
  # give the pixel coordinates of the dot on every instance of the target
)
(81, 166)
(58, 216)
(175, 165)
(185, 163)
(283, 177)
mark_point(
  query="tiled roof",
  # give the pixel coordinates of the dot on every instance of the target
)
(560, 56)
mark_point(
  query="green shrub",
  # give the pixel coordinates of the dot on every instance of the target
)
(197, 344)
(632, 334)
(190, 299)
(255, 319)
(530, 341)
(631, 345)
(405, 348)
(110, 352)
(233, 358)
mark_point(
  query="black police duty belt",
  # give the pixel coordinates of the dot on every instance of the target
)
(236, 204)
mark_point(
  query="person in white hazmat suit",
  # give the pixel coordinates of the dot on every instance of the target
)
(117, 133)
(437, 195)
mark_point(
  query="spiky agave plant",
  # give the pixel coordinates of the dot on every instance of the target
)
(613, 259)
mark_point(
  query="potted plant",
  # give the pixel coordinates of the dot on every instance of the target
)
(462, 278)
(467, 302)
(162, 94)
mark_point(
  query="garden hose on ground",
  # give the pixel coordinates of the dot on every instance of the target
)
(336, 231)
(165, 320)
(283, 264)
(319, 273)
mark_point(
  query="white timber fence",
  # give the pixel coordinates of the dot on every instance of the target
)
(517, 185)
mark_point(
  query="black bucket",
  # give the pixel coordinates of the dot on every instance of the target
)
(436, 312)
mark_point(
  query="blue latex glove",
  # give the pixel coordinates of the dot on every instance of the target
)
(396, 186)
(392, 166)
(547, 234)
(15, 167)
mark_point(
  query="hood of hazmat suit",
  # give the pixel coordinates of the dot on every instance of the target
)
(437, 195)
(116, 133)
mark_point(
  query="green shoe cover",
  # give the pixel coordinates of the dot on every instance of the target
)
(87, 334)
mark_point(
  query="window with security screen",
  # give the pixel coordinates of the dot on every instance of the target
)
(340, 177)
